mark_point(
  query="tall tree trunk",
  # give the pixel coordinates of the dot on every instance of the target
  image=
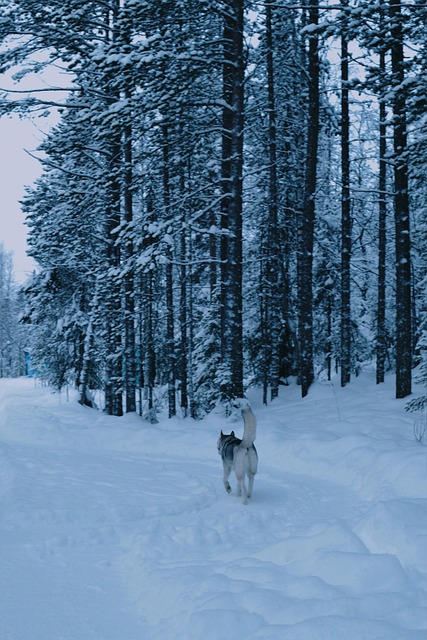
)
(273, 259)
(306, 227)
(329, 332)
(264, 321)
(382, 237)
(170, 329)
(113, 293)
(128, 249)
(112, 289)
(148, 320)
(129, 289)
(401, 209)
(213, 259)
(85, 397)
(183, 318)
(139, 343)
(150, 358)
(190, 333)
(345, 214)
(231, 204)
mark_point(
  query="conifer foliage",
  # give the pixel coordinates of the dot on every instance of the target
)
(12, 340)
(217, 191)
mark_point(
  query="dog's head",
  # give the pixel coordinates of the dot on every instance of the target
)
(223, 438)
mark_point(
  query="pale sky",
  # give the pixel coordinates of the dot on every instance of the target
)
(17, 169)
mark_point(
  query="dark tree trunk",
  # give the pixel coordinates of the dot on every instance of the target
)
(183, 317)
(382, 237)
(273, 258)
(112, 287)
(150, 358)
(147, 306)
(170, 329)
(264, 323)
(213, 259)
(329, 333)
(85, 397)
(112, 292)
(190, 333)
(401, 210)
(114, 377)
(231, 204)
(306, 227)
(345, 216)
(129, 288)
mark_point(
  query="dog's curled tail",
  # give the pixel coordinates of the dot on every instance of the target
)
(249, 432)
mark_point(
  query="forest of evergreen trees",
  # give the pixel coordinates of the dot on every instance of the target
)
(13, 336)
(235, 194)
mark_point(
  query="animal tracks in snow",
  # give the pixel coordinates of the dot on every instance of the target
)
(114, 529)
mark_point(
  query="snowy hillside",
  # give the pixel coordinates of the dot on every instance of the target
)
(114, 529)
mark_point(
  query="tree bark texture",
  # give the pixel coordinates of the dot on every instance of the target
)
(345, 218)
(382, 236)
(170, 328)
(231, 204)
(273, 299)
(114, 376)
(306, 227)
(401, 210)
(129, 301)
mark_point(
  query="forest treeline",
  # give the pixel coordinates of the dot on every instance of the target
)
(13, 335)
(234, 194)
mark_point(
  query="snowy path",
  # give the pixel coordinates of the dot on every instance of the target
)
(112, 529)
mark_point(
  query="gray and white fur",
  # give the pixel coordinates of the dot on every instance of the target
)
(240, 455)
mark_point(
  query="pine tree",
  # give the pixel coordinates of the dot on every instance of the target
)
(382, 223)
(401, 208)
(345, 210)
(273, 270)
(13, 339)
(306, 227)
(231, 203)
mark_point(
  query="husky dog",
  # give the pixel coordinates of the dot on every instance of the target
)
(240, 455)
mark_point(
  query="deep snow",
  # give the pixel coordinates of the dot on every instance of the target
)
(115, 529)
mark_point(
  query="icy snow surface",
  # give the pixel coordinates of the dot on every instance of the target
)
(114, 529)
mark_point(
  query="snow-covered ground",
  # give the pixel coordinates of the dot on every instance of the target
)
(115, 529)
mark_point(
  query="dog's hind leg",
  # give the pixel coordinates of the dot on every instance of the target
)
(252, 469)
(251, 477)
(242, 488)
(227, 471)
(240, 467)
